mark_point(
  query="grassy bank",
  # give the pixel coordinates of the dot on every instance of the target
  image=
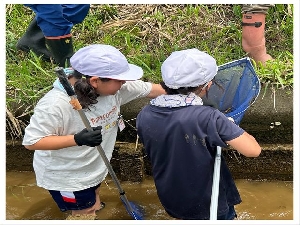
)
(146, 34)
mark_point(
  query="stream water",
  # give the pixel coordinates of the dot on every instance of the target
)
(262, 200)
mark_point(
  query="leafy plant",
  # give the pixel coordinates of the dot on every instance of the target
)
(146, 35)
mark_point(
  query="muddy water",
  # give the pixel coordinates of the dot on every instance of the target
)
(262, 200)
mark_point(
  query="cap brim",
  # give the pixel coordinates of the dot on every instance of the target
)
(134, 73)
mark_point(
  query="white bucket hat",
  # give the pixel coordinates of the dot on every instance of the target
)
(104, 61)
(188, 68)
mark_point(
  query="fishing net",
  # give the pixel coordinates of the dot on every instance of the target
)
(235, 87)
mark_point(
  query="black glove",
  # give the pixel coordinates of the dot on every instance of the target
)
(90, 138)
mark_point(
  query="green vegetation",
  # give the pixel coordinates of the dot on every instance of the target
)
(146, 34)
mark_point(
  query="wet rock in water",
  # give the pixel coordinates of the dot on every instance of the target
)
(131, 169)
(274, 163)
(127, 161)
(147, 166)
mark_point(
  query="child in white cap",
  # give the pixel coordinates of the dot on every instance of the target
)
(180, 136)
(66, 161)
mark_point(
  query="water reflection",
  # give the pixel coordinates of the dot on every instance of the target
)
(262, 200)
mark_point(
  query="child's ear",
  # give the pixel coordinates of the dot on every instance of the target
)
(94, 81)
(209, 84)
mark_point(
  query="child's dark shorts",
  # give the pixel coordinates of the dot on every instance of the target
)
(75, 200)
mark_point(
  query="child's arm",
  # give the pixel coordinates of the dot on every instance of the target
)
(53, 143)
(90, 138)
(156, 91)
(246, 145)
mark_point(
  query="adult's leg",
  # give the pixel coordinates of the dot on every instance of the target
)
(51, 20)
(57, 31)
(34, 40)
(253, 32)
(75, 12)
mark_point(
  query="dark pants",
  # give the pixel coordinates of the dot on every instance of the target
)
(57, 20)
(231, 215)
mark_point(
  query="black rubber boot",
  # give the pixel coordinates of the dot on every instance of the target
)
(34, 40)
(61, 49)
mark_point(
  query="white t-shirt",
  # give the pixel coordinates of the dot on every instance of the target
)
(79, 167)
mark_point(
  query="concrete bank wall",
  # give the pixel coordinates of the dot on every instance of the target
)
(272, 127)
(130, 164)
(259, 119)
(274, 163)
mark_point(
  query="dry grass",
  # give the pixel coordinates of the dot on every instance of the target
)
(158, 24)
(146, 34)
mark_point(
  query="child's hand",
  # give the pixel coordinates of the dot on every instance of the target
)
(90, 138)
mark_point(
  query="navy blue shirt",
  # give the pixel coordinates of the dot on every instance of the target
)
(181, 144)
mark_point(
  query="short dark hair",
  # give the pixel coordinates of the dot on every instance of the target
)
(182, 90)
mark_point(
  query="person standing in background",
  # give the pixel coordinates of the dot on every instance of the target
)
(253, 31)
(49, 33)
